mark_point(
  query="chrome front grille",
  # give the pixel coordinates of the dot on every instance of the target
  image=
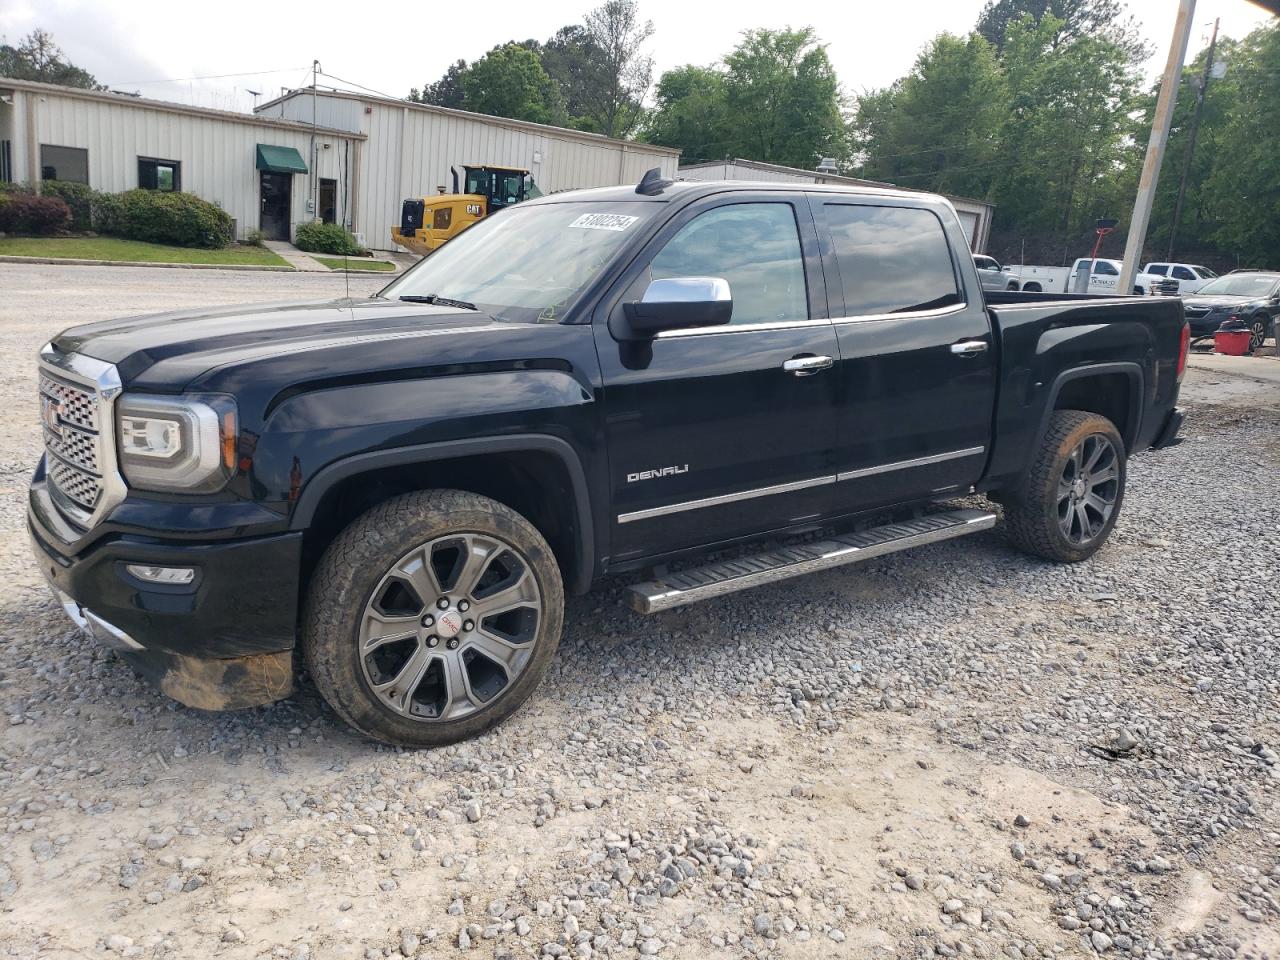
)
(77, 411)
(78, 406)
(83, 488)
(69, 413)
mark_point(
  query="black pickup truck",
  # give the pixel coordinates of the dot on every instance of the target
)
(593, 384)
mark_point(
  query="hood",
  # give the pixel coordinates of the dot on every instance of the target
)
(172, 349)
(1217, 300)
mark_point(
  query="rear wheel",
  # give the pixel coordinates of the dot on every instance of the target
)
(1031, 287)
(433, 617)
(1073, 491)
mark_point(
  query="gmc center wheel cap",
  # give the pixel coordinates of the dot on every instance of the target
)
(448, 624)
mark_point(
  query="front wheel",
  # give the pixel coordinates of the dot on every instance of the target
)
(433, 617)
(1071, 495)
(1257, 333)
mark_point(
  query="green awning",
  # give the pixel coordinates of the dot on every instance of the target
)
(280, 159)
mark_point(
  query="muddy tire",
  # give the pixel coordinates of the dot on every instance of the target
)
(1072, 493)
(432, 617)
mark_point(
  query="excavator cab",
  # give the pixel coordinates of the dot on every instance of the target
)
(428, 222)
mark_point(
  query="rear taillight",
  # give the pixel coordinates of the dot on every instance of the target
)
(1184, 346)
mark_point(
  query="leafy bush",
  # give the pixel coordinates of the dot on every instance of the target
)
(320, 237)
(255, 238)
(31, 214)
(77, 196)
(156, 216)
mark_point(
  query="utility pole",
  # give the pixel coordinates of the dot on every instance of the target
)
(312, 179)
(1191, 140)
(1155, 147)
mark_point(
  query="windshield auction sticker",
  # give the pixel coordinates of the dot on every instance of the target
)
(603, 221)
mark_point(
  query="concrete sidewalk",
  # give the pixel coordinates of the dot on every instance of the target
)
(295, 257)
(1264, 368)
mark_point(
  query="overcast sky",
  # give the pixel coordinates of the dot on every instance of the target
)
(130, 44)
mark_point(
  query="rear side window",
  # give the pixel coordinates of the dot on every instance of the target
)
(1102, 268)
(1159, 269)
(892, 259)
(755, 246)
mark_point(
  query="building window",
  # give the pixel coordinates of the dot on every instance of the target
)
(64, 163)
(156, 174)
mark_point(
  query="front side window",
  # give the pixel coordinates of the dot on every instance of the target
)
(986, 263)
(156, 174)
(1182, 273)
(1159, 269)
(755, 247)
(892, 259)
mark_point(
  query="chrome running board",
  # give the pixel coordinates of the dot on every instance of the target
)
(729, 576)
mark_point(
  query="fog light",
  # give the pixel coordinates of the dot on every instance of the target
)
(170, 576)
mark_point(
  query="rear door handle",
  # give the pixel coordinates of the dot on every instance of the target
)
(806, 366)
(969, 348)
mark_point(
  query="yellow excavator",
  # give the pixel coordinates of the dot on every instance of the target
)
(427, 222)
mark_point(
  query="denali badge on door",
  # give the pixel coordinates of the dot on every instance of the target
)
(655, 472)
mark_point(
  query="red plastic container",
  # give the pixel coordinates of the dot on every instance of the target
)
(1232, 343)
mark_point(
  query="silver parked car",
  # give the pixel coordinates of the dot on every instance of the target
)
(992, 275)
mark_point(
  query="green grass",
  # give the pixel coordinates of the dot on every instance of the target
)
(354, 263)
(113, 248)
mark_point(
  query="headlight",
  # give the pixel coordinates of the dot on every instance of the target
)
(171, 444)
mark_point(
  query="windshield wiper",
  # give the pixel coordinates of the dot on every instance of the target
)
(439, 301)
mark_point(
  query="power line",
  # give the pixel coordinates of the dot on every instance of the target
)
(214, 76)
(358, 86)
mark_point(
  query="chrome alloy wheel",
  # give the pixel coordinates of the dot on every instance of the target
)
(450, 627)
(1088, 488)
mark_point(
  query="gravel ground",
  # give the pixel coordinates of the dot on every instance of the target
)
(956, 751)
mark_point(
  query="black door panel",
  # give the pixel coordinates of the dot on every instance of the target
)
(711, 436)
(918, 360)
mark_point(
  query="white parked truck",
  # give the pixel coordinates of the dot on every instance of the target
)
(1190, 276)
(1104, 275)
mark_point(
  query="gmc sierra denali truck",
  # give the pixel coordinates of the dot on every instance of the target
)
(592, 384)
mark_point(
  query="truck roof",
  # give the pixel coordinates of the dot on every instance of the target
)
(692, 189)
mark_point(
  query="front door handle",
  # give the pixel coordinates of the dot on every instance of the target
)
(969, 348)
(806, 366)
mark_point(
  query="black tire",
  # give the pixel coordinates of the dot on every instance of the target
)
(1258, 331)
(1034, 516)
(1139, 292)
(363, 558)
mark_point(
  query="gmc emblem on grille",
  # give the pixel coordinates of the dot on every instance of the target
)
(51, 414)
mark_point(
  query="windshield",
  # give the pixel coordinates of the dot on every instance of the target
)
(1240, 285)
(1205, 272)
(527, 263)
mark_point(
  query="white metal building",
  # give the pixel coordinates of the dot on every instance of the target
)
(308, 155)
(253, 167)
(410, 148)
(975, 215)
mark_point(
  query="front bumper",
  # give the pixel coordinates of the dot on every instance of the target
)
(222, 642)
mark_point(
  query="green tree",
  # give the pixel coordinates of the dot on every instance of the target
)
(613, 99)
(1242, 188)
(939, 127)
(783, 96)
(509, 81)
(691, 112)
(445, 92)
(572, 59)
(1101, 19)
(37, 57)
(1068, 135)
